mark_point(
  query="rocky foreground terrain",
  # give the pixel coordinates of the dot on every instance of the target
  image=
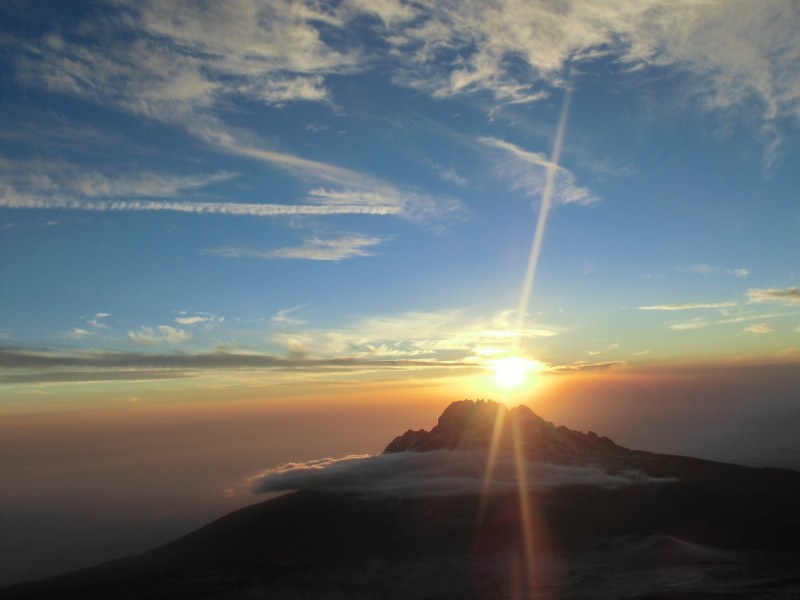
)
(591, 520)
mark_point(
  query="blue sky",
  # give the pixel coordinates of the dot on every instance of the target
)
(329, 191)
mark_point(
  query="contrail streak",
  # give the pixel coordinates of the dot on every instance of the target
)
(218, 208)
(547, 195)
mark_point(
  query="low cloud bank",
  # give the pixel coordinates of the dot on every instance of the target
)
(437, 473)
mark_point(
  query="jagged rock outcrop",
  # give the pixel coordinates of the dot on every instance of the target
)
(472, 425)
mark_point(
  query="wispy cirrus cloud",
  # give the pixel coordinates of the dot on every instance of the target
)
(285, 317)
(59, 177)
(414, 206)
(700, 323)
(507, 48)
(98, 320)
(689, 306)
(67, 187)
(176, 61)
(205, 319)
(584, 366)
(527, 171)
(759, 328)
(312, 249)
(78, 333)
(171, 60)
(690, 325)
(705, 269)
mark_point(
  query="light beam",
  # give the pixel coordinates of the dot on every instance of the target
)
(541, 223)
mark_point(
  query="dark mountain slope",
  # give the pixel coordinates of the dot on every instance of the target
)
(712, 530)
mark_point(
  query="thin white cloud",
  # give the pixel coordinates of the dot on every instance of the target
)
(743, 318)
(528, 172)
(97, 321)
(155, 336)
(584, 366)
(289, 89)
(191, 320)
(790, 296)
(416, 207)
(436, 473)
(79, 333)
(59, 176)
(445, 334)
(452, 176)
(311, 170)
(688, 306)
(705, 269)
(690, 325)
(313, 249)
(699, 323)
(285, 317)
(759, 328)
(206, 319)
(144, 184)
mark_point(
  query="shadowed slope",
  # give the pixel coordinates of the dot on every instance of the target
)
(716, 529)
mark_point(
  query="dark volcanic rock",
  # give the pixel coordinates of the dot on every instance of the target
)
(472, 425)
(713, 530)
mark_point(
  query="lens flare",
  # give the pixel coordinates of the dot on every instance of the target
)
(513, 371)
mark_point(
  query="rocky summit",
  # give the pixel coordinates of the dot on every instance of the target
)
(472, 425)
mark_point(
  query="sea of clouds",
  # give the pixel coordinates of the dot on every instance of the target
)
(436, 473)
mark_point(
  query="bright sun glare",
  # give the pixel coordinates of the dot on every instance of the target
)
(513, 371)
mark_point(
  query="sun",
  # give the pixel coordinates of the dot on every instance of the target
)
(512, 372)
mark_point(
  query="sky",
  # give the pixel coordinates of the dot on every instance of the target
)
(370, 205)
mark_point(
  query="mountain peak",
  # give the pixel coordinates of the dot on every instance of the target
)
(472, 424)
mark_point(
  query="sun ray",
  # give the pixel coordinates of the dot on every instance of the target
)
(541, 223)
(491, 459)
(526, 519)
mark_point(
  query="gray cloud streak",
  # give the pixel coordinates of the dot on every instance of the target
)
(88, 376)
(25, 359)
(780, 296)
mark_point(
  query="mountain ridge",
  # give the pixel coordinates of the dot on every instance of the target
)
(472, 424)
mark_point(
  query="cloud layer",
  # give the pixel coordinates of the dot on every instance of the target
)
(437, 473)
